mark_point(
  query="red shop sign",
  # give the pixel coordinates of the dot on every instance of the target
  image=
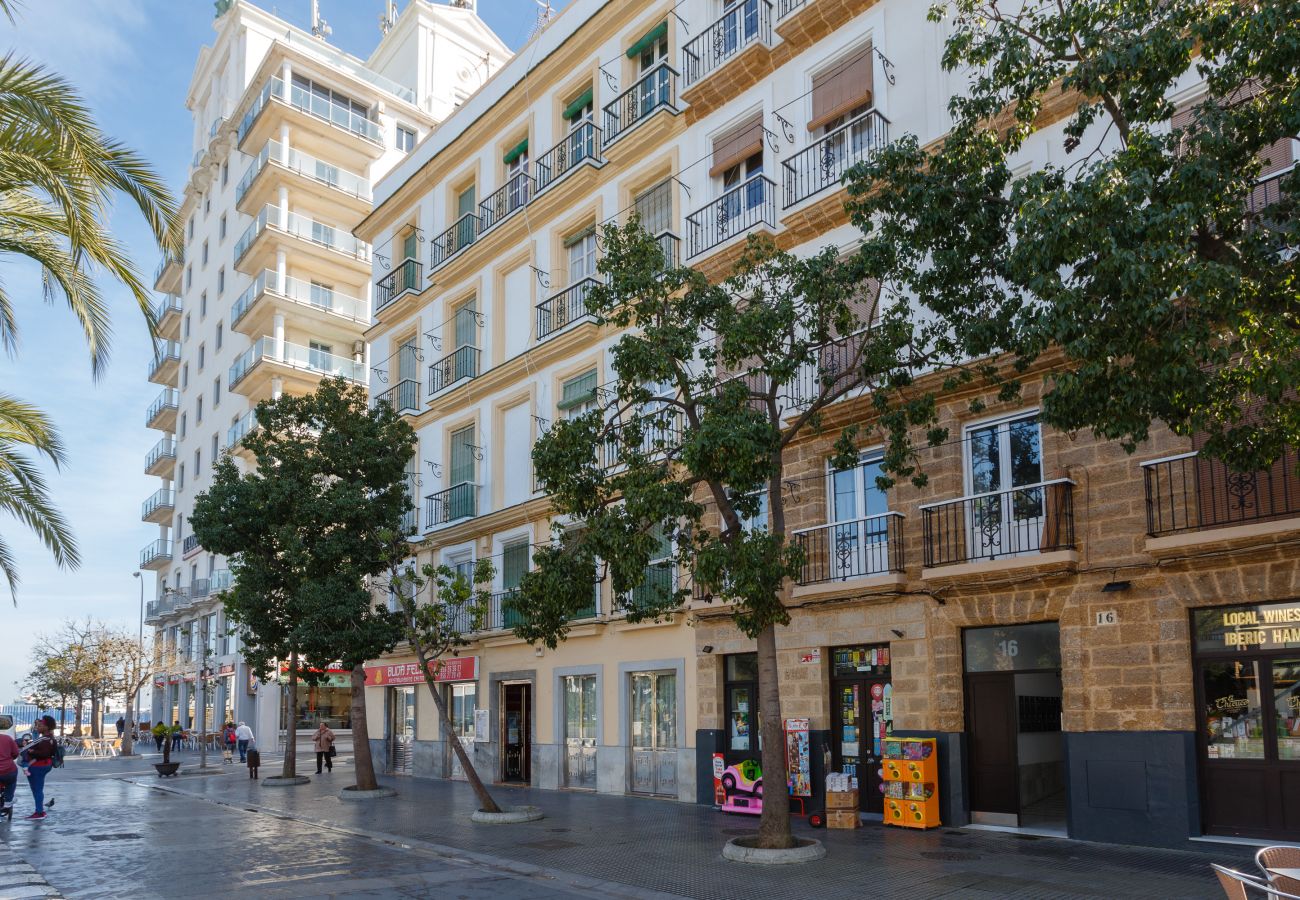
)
(457, 668)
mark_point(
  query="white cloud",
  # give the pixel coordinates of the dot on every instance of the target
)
(93, 43)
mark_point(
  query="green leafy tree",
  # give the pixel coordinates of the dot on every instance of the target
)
(59, 179)
(305, 532)
(684, 456)
(435, 627)
(1147, 264)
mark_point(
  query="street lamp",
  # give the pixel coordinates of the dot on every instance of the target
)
(205, 673)
(134, 724)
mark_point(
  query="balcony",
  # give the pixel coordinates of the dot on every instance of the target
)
(1033, 519)
(659, 581)
(823, 164)
(167, 277)
(745, 206)
(303, 366)
(1267, 192)
(242, 427)
(406, 278)
(161, 460)
(254, 312)
(280, 165)
(655, 91)
(501, 613)
(748, 23)
(167, 317)
(461, 364)
(565, 308)
(1189, 493)
(651, 434)
(843, 551)
(156, 610)
(158, 509)
(460, 501)
(579, 146)
(166, 363)
(460, 235)
(333, 252)
(156, 555)
(403, 397)
(199, 588)
(162, 412)
(348, 126)
(506, 200)
(219, 581)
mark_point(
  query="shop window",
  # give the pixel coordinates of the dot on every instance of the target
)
(1234, 710)
(463, 698)
(740, 688)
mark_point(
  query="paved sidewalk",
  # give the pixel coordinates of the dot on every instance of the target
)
(673, 848)
(18, 880)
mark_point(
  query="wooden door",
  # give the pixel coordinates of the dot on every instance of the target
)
(993, 767)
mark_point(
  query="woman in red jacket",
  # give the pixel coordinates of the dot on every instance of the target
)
(40, 759)
(8, 774)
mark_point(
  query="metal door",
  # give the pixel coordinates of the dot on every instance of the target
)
(580, 729)
(654, 733)
(401, 729)
(516, 732)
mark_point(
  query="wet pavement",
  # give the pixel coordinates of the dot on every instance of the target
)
(118, 830)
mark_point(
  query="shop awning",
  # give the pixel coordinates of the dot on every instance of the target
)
(654, 34)
(515, 152)
(577, 105)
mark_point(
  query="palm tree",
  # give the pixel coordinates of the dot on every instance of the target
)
(59, 176)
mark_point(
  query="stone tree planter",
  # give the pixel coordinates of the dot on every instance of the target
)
(511, 815)
(352, 792)
(742, 849)
(282, 781)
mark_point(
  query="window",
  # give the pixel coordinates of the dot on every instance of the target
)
(514, 563)
(221, 228)
(205, 253)
(463, 697)
(405, 139)
(198, 462)
(189, 277)
(189, 229)
(203, 356)
(322, 234)
(654, 48)
(582, 255)
(216, 392)
(319, 93)
(740, 679)
(207, 206)
(185, 376)
(578, 395)
(186, 332)
(198, 410)
(842, 92)
(219, 335)
(658, 581)
(221, 281)
(580, 109)
(183, 424)
(318, 355)
(758, 521)
(180, 486)
(738, 160)
(225, 173)
(216, 447)
(1004, 473)
(857, 545)
(654, 208)
(203, 305)
(322, 295)
(463, 449)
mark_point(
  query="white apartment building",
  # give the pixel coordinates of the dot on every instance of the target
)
(272, 291)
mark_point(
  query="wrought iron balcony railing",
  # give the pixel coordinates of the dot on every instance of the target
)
(1191, 492)
(460, 364)
(651, 433)
(822, 164)
(743, 207)
(658, 583)
(856, 549)
(1035, 518)
(463, 232)
(403, 397)
(581, 145)
(785, 7)
(460, 501)
(501, 611)
(506, 200)
(749, 22)
(566, 307)
(406, 276)
(656, 90)
(190, 544)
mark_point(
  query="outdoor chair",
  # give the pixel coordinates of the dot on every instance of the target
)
(1240, 886)
(1279, 858)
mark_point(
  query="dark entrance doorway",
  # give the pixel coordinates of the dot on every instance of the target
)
(862, 714)
(516, 726)
(1248, 717)
(1016, 756)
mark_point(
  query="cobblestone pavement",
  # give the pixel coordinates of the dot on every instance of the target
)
(204, 836)
(18, 880)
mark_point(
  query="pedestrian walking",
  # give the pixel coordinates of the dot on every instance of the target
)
(40, 756)
(159, 732)
(176, 735)
(323, 741)
(228, 742)
(121, 726)
(243, 737)
(8, 774)
(254, 759)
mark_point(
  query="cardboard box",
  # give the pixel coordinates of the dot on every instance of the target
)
(842, 800)
(843, 818)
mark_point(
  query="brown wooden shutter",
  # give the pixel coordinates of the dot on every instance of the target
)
(735, 145)
(842, 89)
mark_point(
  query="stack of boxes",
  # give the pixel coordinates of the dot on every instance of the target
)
(842, 809)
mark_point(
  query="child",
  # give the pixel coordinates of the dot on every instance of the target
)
(254, 760)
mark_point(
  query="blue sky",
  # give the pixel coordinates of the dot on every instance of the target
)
(132, 59)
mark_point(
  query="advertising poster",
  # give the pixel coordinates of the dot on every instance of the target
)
(797, 758)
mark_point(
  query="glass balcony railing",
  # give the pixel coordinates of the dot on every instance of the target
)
(311, 359)
(299, 226)
(164, 352)
(156, 552)
(306, 293)
(169, 399)
(242, 427)
(308, 166)
(321, 107)
(824, 163)
(164, 498)
(164, 449)
(746, 23)
(168, 303)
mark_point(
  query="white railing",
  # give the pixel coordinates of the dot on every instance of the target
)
(245, 425)
(295, 356)
(300, 226)
(299, 291)
(320, 107)
(307, 166)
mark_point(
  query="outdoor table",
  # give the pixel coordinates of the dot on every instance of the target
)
(1286, 873)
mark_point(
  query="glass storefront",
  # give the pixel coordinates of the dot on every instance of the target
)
(740, 672)
(862, 715)
(323, 703)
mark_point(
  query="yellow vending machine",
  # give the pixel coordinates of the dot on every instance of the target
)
(910, 770)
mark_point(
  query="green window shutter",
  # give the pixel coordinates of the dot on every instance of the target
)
(578, 391)
(579, 236)
(576, 106)
(462, 455)
(654, 34)
(515, 152)
(409, 245)
(514, 563)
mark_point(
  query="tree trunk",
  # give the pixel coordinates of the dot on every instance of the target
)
(485, 801)
(362, 761)
(63, 713)
(95, 717)
(128, 736)
(774, 825)
(290, 767)
(80, 706)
